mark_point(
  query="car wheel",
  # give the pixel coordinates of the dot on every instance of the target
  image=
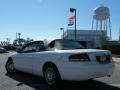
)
(10, 66)
(51, 76)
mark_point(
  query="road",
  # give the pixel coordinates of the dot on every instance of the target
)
(22, 81)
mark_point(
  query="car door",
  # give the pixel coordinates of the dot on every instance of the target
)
(25, 58)
(39, 58)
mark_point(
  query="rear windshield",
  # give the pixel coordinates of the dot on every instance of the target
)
(67, 45)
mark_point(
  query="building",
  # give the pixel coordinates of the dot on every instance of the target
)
(88, 38)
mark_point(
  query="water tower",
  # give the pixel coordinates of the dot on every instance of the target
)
(101, 20)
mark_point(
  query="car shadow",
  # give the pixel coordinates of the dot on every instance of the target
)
(38, 83)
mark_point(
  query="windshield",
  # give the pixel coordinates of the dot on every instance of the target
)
(67, 44)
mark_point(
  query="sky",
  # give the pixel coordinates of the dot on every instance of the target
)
(40, 19)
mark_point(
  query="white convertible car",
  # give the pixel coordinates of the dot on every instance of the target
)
(61, 60)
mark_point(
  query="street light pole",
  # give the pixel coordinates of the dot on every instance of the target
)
(19, 37)
(63, 31)
(74, 10)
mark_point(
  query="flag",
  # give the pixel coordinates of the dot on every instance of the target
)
(71, 20)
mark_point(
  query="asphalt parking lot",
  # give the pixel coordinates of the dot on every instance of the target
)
(23, 81)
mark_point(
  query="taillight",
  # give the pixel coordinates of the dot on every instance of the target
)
(103, 59)
(79, 57)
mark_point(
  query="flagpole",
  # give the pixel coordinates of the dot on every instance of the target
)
(75, 24)
(74, 10)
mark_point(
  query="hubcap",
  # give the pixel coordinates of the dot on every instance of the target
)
(50, 76)
(10, 66)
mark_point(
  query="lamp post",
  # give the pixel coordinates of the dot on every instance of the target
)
(19, 37)
(73, 10)
(63, 31)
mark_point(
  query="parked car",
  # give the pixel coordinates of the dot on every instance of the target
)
(2, 50)
(61, 60)
(10, 47)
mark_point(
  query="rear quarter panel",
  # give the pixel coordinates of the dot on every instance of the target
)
(48, 56)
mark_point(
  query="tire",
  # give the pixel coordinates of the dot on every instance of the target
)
(10, 66)
(51, 75)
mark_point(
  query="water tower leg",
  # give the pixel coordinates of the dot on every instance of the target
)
(100, 25)
(96, 25)
(104, 25)
(110, 28)
(92, 23)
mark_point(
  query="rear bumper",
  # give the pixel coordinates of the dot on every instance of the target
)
(85, 70)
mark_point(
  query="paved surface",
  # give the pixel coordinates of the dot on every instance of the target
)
(22, 81)
(117, 60)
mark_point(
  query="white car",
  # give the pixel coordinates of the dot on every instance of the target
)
(61, 60)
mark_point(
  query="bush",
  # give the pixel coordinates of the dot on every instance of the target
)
(115, 48)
